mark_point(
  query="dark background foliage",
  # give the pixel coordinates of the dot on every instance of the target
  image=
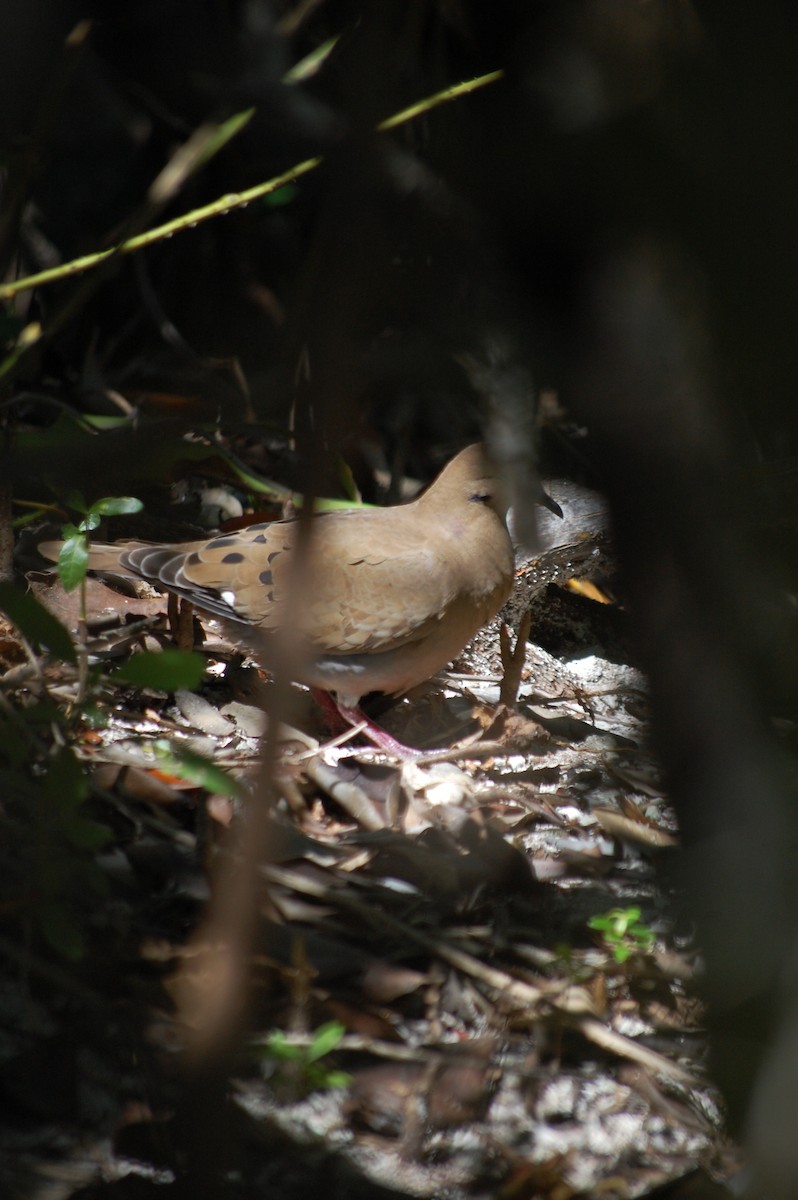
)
(614, 219)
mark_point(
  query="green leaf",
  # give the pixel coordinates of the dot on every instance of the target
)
(35, 623)
(95, 717)
(102, 422)
(337, 1079)
(347, 480)
(116, 506)
(623, 932)
(224, 132)
(325, 1039)
(166, 670)
(77, 501)
(186, 764)
(73, 561)
(310, 64)
(278, 1047)
(27, 518)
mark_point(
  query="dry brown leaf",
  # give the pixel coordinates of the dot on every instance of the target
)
(384, 981)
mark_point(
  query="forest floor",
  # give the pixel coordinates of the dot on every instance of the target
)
(469, 977)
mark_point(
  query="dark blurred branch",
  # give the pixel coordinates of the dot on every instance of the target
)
(199, 148)
(229, 203)
(26, 161)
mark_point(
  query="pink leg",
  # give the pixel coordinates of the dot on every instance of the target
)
(354, 715)
(335, 721)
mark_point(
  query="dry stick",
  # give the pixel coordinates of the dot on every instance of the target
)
(352, 799)
(217, 1014)
(522, 993)
(513, 659)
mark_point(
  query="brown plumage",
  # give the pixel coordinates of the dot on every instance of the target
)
(383, 599)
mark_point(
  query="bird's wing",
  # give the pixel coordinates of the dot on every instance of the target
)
(363, 585)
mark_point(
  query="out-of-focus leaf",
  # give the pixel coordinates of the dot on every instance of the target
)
(116, 506)
(337, 1079)
(282, 196)
(347, 480)
(199, 148)
(310, 64)
(29, 517)
(224, 132)
(187, 765)
(277, 1047)
(326, 1038)
(166, 670)
(65, 784)
(35, 622)
(77, 501)
(73, 561)
(101, 422)
(85, 834)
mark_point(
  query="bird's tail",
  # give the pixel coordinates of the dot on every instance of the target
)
(103, 556)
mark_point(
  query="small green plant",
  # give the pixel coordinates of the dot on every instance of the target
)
(300, 1066)
(623, 933)
(73, 561)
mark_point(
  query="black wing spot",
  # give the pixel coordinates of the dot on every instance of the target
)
(260, 539)
(274, 554)
(193, 559)
(219, 543)
(235, 556)
(266, 578)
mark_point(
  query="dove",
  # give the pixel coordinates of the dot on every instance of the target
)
(371, 600)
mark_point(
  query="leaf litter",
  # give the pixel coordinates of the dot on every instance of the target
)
(491, 1043)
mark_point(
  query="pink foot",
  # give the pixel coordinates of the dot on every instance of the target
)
(343, 716)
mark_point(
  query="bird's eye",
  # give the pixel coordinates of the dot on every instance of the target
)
(481, 497)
